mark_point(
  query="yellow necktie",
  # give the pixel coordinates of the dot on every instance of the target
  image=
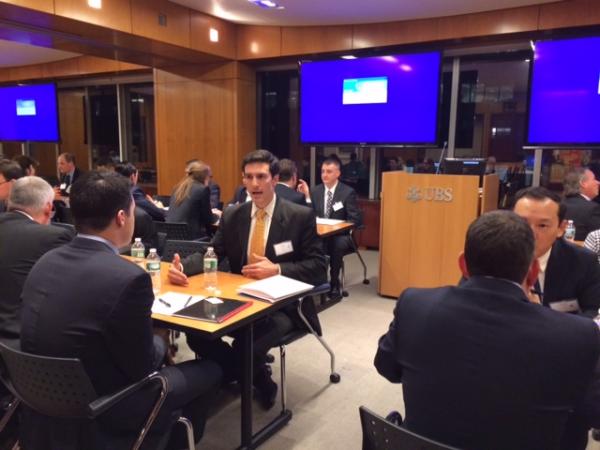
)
(257, 243)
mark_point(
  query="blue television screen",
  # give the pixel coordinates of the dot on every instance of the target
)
(390, 99)
(29, 113)
(564, 102)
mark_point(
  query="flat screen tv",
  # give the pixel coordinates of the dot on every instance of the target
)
(564, 97)
(29, 113)
(391, 99)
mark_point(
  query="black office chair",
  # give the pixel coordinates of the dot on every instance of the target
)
(353, 249)
(60, 388)
(184, 248)
(296, 334)
(379, 434)
(174, 230)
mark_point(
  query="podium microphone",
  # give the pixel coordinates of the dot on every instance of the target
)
(437, 170)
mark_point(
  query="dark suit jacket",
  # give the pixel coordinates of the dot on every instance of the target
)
(68, 182)
(290, 222)
(145, 229)
(284, 191)
(22, 242)
(239, 196)
(194, 210)
(573, 273)
(585, 215)
(104, 321)
(142, 202)
(482, 368)
(344, 194)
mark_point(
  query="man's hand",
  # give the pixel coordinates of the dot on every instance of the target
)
(57, 194)
(261, 269)
(217, 212)
(534, 298)
(303, 189)
(176, 275)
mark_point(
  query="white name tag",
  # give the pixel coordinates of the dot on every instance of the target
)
(63, 186)
(337, 206)
(566, 306)
(283, 248)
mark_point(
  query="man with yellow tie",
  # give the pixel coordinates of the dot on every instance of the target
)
(261, 238)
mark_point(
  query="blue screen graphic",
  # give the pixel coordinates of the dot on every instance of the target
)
(377, 100)
(29, 113)
(564, 103)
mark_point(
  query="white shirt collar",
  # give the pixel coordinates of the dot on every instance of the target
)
(585, 196)
(96, 238)
(268, 209)
(24, 213)
(543, 260)
(332, 189)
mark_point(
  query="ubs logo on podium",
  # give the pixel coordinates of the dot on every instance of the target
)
(429, 194)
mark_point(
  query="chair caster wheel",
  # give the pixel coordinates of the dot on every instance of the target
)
(270, 359)
(345, 294)
(334, 377)
(366, 281)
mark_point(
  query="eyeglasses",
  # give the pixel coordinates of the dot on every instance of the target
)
(260, 177)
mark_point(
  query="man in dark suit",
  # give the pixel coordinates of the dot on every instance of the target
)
(580, 188)
(286, 244)
(288, 180)
(25, 235)
(334, 200)
(69, 173)
(481, 366)
(128, 170)
(83, 300)
(9, 172)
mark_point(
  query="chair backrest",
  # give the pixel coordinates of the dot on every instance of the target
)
(174, 230)
(184, 248)
(55, 387)
(379, 434)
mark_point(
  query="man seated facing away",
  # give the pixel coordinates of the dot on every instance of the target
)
(569, 278)
(84, 301)
(481, 366)
(9, 172)
(25, 235)
(261, 238)
(141, 200)
(334, 200)
(288, 181)
(580, 188)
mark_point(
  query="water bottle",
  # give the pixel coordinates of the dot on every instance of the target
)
(138, 251)
(210, 269)
(570, 231)
(153, 268)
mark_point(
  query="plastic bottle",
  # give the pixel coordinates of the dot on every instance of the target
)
(153, 268)
(138, 251)
(570, 231)
(210, 269)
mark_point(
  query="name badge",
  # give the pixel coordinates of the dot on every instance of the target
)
(63, 186)
(567, 306)
(283, 248)
(337, 206)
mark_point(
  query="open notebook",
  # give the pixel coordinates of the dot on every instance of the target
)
(209, 309)
(275, 288)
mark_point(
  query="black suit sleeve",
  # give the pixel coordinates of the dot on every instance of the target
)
(386, 358)
(353, 213)
(589, 287)
(129, 330)
(154, 211)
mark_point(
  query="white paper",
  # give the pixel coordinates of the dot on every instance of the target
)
(275, 288)
(323, 221)
(176, 300)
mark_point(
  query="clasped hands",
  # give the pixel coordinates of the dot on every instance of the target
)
(263, 268)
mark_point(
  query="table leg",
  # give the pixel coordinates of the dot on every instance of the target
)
(247, 370)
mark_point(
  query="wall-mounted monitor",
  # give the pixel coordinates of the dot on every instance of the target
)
(564, 97)
(29, 113)
(391, 99)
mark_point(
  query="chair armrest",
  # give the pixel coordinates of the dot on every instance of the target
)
(101, 404)
(317, 290)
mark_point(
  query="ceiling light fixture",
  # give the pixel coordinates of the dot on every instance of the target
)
(268, 4)
(213, 35)
(348, 57)
(97, 4)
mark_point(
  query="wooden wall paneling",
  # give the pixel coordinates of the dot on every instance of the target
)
(115, 14)
(72, 126)
(374, 35)
(145, 21)
(26, 72)
(92, 64)
(569, 14)
(4, 74)
(200, 26)
(39, 5)
(45, 154)
(302, 40)
(369, 236)
(64, 68)
(490, 193)
(11, 149)
(254, 42)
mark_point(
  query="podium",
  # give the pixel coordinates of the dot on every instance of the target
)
(424, 219)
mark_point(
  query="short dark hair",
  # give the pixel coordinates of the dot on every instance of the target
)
(10, 170)
(287, 169)
(25, 162)
(125, 168)
(332, 159)
(96, 197)
(262, 156)
(499, 244)
(68, 157)
(540, 193)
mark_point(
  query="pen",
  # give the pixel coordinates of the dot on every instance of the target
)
(164, 302)
(188, 301)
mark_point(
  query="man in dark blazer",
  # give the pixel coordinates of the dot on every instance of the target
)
(128, 170)
(481, 366)
(83, 300)
(334, 200)
(580, 188)
(288, 181)
(291, 248)
(68, 171)
(25, 235)
(9, 172)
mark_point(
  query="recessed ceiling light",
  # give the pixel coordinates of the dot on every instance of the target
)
(213, 35)
(268, 4)
(348, 57)
(95, 4)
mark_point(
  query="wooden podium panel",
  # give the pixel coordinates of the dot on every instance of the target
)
(424, 219)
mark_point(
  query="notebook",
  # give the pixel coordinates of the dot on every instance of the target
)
(213, 309)
(275, 288)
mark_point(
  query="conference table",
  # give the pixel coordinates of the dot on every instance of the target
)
(242, 322)
(325, 229)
